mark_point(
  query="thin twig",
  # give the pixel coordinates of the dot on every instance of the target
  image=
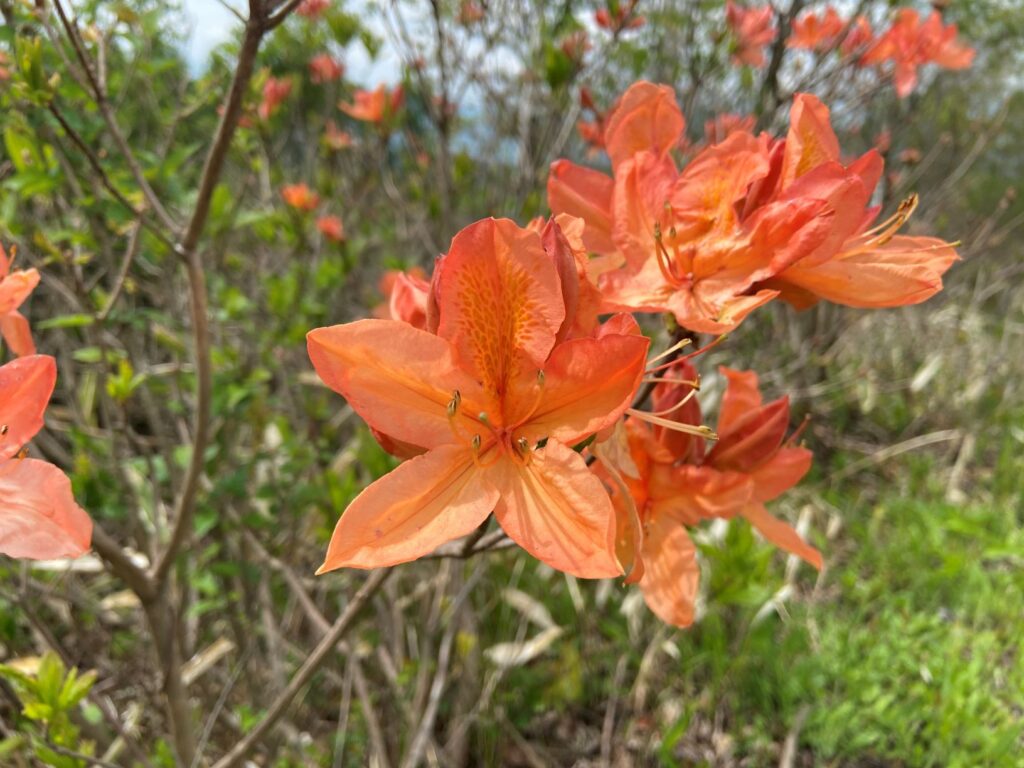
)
(309, 667)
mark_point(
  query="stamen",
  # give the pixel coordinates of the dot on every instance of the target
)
(453, 411)
(688, 429)
(709, 346)
(538, 397)
(882, 233)
(477, 444)
(674, 348)
(664, 259)
(3, 430)
(689, 396)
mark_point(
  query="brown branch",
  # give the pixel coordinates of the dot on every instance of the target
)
(188, 250)
(309, 667)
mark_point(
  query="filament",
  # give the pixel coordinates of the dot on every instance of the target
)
(688, 429)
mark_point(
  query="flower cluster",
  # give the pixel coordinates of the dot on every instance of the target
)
(515, 380)
(908, 44)
(39, 518)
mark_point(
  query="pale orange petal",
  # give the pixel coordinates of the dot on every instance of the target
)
(671, 573)
(16, 287)
(398, 378)
(585, 193)
(780, 473)
(691, 494)
(781, 534)
(25, 388)
(811, 140)
(906, 270)
(556, 509)
(646, 118)
(742, 396)
(17, 333)
(588, 385)
(499, 299)
(408, 513)
(39, 518)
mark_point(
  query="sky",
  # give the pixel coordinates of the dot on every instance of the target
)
(211, 24)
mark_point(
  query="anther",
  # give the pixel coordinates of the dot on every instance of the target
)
(3, 429)
(540, 378)
(524, 445)
(476, 443)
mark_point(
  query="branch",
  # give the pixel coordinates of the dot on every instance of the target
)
(309, 667)
(187, 249)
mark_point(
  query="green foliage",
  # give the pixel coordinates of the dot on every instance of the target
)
(49, 699)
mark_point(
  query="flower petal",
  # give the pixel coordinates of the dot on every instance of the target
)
(500, 301)
(558, 511)
(15, 288)
(671, 573)
(906, 270)
(398, 378)
(17, 333)
(585, 193)
(781, 534)
(408, 513)
(25, 388)
(742, 396)
(690, 494)
(39, 518)
(588, 384)
(646, 118)
(780, 473)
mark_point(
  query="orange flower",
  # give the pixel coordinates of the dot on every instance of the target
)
(857, 265)
(817, 32)
(753, 29)
(331, 228)
(910, 44)
(858, 39)
(378, 106)
(15, 287)
(674, 241)
(621, 17)
(275, 90)
(39, 519)
(300, 197)
(312, 9)
(335, 138)
(660, 481)
(494, 400)
(324, 68)
(406, 297)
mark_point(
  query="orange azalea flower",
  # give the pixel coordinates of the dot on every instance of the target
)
(300, 197)
(494, 400)
(723, 126)
(275, 90)
(406, 297)
(377, 106)
(661, 481)
(675, 241)
(15, 287)
(331, 228)
(335, 138)
(324, 68)
(910, 44)
(753, 29)
(39, 519)
(311, 9)
(858, 39)
(620, 18)
(857, 265)
(817, 32)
